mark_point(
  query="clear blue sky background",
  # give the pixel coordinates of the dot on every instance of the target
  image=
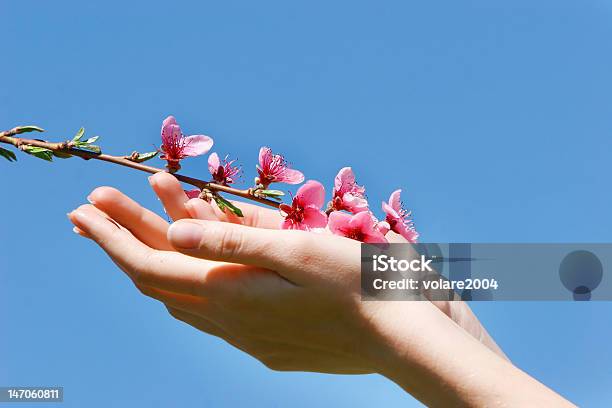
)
(494, 117)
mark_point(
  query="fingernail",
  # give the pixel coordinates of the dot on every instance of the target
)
(151, 180)
(90, 200)
(185, 235)
(78, 217)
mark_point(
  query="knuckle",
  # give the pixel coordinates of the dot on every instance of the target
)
(230, 243)
(106, 240)
(140, 270)
(305, 249)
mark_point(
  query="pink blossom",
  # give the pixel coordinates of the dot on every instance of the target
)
(398, 218)
(222, 172)
(348, 195)
(305, 210)
(176, 146)
(193, 193)
(273, 168)
(360, 226)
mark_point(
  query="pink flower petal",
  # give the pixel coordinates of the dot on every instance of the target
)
(408, 233)
(314, 218)
(354, 204)
(265, 156)
(375, 237)
(292, 176)
(362, 220)
(170, 120)
(170, 133)
(394, 200)
(311, 193)
(344, 180)
(170, 130)
(383, 227)
(197, 145)
(339, 222)
(290, 225)
(389, 211)
(192, 193)
(213, 163)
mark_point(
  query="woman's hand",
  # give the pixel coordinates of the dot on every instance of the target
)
(292, 300)
(240, 283)
(179, 206)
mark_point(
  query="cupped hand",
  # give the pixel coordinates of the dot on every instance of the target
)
(292, 298)
(151, 230)
(240, 283)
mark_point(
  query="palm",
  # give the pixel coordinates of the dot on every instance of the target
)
(151, 230)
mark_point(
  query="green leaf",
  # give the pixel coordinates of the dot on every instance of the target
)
(94, 148)
(271, 193)
(78, 135)
(8, 155)
(39, 152)
(222, 203)
(62, 155)
(88, 147)
(145, 156)
(29, 128)
(85, 144)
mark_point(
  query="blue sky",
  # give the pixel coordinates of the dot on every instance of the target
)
(494, 117)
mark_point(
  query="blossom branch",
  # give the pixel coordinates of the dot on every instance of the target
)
(70, 148)
(348, 213)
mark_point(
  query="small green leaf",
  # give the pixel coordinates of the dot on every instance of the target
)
(271, 193)
(88, 147)
(78, 135)
(92, 139)
(62, 155)
(145, 156)
(222, 203)
(8, 155)
(39, 152)
(29, 128)
(94, 148)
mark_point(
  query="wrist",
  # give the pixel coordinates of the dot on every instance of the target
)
(415, 345)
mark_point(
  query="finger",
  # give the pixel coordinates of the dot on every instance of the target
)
(172, 271)
(147, 226)
(278, 250)
(201, 210)
(145, 266)
(253, 215)
(259, 217)
(171, 194)
(78, 231)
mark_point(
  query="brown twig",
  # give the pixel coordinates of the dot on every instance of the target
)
(67, 147)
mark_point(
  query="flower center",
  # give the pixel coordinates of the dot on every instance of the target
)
(355, 234)
(296, 215)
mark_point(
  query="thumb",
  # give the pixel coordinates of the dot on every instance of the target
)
(293, 254)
